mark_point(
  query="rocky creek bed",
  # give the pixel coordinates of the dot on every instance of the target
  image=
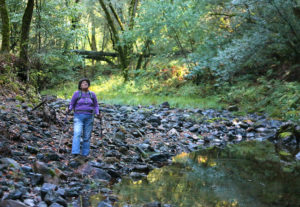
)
(37, 169)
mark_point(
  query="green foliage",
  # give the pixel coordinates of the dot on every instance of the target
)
(277, 98)
(58, 67)
(221, 39)
(258, 36)
(253, 150)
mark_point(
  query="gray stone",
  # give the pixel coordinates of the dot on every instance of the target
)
(233, 108)
(29, 202)
(55, 205)
(42, 204)
(159, 157)
(10, 162)
(12, 203)
(104, 204)
(47, 187)
(298, 156)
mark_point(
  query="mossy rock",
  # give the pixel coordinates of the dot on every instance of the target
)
(20, 98)
(30, 105)
(284, 155)
(52, 172)
(285, 135)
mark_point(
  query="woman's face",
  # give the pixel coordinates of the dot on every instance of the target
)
(84, 85)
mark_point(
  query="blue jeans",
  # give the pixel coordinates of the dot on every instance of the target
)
(83, 125)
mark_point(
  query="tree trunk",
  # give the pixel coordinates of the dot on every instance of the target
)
(5, 26)
(26, 21)
(132, 12)
(124, 62)
(94, 42)
(144, 54)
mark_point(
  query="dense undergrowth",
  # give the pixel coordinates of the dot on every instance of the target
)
(11, 86)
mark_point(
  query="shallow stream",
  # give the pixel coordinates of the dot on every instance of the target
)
(201, 180)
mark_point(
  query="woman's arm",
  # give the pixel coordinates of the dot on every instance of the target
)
(96, 104)
(73, 101)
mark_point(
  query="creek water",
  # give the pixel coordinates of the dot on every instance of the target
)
(207, 181)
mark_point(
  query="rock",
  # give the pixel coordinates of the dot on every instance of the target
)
(233, 108)
(154, 119)
(53, 197)
(32, 149)
(72, 192)
(47, 187)
(111, 160)
(12, 203)
(141, 168)
(104, 204)
(29, 202)
(194, 128)
(136, 134)
(52, 157)
(126, 109)
(153, 204)
(15, 195)
(106, 190)
(50, 175)
(165, 105)
(284, 155)
(120, 135)
(210, 138)
(113, 173)
(137, 176)
(26, 169)
(61, 192)
(42, 204)
(11, 163)
(55, 205)
(173, 132)
(95, 173)
(74, 164)
(159, 157)
(36, 178)
(297, 156)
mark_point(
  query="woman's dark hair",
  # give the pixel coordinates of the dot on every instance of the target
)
(84, 79)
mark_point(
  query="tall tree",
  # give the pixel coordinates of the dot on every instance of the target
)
(26, 21)
(93, 42)
(114, 22)
(5, 26)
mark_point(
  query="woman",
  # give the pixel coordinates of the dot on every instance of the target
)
(85, 106)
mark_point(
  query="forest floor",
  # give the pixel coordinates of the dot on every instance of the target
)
(37, 168)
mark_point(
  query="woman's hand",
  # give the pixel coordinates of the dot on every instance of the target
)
(68, 110)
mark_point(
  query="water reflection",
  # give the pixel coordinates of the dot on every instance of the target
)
(203, 180)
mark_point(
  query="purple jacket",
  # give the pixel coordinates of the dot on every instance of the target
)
(85, 104)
